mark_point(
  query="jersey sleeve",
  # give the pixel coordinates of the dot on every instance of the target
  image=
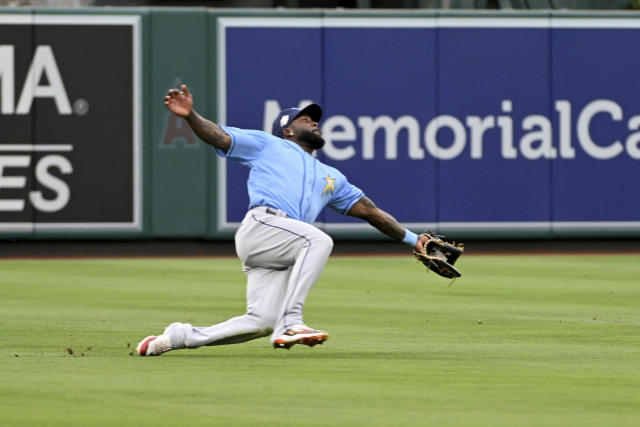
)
(245, 144)
(345, 196)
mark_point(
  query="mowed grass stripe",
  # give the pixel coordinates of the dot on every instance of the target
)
(519, 340)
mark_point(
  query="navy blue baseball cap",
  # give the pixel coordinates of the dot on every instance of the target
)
(288, 115)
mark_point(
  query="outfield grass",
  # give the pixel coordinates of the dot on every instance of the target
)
(518, 341)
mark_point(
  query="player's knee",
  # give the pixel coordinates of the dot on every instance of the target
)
(324, 242)
(262, 324)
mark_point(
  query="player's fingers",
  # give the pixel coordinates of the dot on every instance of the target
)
(185, 89)
(421, 245)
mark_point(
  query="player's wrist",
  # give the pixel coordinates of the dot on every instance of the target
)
(410, 238)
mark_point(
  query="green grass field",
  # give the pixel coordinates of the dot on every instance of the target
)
(518, 341)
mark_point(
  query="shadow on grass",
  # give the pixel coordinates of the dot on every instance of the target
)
(301, 354)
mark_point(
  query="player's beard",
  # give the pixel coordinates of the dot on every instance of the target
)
(311, 139)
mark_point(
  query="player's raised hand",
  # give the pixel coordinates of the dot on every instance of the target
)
(179, 101)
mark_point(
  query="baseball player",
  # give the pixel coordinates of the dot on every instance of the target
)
(282, 252)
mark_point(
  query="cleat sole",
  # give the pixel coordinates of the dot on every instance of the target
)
(308, 341)
(284, 345)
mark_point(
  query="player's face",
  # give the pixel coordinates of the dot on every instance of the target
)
(305, 123)
(306, 131)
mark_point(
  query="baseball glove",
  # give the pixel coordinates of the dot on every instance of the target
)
(439, 256)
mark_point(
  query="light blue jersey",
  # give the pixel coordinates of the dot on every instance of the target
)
(286, 177)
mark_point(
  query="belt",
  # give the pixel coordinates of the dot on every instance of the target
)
(271, 211)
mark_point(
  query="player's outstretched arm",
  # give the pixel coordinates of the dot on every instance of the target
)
(180, 103)
(383, 221)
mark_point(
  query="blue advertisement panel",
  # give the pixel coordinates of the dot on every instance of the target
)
(456, 124)
(262, 76)
(374, 110)
(489, 80)
(596, 179)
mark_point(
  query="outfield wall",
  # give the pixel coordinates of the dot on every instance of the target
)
(473, 124)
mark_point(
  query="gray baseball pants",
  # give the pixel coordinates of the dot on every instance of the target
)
(282, 259)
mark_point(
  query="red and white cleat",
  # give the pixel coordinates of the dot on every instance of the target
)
(154, 345)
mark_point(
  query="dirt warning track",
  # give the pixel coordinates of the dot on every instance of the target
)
(224, 249)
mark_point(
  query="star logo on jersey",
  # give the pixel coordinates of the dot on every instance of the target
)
(329, 187)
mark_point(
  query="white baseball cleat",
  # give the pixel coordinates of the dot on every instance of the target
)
(154, 345)
(300, 334)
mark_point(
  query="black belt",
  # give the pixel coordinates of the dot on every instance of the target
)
(272, 211)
